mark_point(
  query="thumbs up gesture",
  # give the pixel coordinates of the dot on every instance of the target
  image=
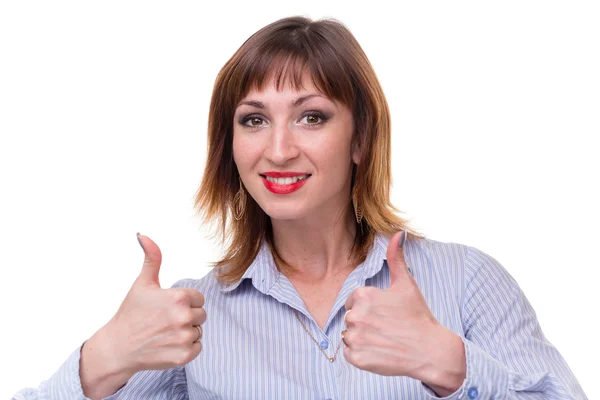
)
(154, 328)
(393, 332)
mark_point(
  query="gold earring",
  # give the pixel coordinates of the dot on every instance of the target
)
(357, 209)
(239, 203)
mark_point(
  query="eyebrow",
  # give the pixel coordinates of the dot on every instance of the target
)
(295, 103)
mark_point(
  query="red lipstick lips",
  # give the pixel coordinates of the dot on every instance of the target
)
(279, 188)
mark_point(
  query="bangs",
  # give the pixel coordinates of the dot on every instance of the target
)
(287, 61)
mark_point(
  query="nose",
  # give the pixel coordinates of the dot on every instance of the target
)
(282, 146)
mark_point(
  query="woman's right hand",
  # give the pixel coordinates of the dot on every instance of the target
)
(154, 328)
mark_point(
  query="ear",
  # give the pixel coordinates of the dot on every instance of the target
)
(356, 157)
(356, 151)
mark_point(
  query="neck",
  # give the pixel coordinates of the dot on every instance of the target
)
(317, 247)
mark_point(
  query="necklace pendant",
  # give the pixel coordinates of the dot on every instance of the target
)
(331, 360)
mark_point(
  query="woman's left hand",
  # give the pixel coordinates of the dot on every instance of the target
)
(392, 332)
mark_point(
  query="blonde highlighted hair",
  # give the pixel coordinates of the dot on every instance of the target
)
(340, 70)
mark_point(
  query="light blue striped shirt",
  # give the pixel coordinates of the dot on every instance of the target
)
(255, 348)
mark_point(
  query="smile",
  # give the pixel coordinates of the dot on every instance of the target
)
(285, 181)
(284, 185)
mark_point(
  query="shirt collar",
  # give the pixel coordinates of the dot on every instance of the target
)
(377, 257)
(264, 274)
(262, 271)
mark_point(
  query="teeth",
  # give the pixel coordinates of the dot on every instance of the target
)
(286, 181)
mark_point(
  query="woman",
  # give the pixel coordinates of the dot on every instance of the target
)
(323, 292)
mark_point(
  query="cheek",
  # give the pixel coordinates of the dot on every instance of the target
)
(235, 148)
(334, 152)
(239, 149)
(246, 152)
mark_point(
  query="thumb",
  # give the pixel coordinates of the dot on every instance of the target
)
(395, 258)
(152, 261)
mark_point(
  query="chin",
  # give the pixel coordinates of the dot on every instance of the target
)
(284, 212)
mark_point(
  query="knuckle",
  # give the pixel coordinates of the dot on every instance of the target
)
(359, 294)
(358, 317)
(188, 354)
(352, 317)
(353, 357)
(183, 357)
(185, 337)
(349, 338)
(348, 354)
(184, 317)
(355, 338)
(181, 297)
(364, 293)
(201, 299)
(352, 338)
(202, 316)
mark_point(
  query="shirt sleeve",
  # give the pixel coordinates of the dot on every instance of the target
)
(508, 356)
(66, 384)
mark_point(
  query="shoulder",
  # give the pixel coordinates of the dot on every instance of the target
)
(474, 279)
(207, 285)
(429, 255)
(461, 260)
(441, 251)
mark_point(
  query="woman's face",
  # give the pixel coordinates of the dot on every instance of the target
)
(293, 151)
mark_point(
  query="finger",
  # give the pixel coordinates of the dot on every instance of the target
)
(187, 297)
(359, 304)
(198, 332)
(361, 294)
(360, 338)
(382, 363)
(347, 337)
(152, 261)
(189, 345)
(362, 311)
(349, 303)
(395, 258)
(198, 316)
(196, 349)
(196, 299)
(344, 332)
(361, 358)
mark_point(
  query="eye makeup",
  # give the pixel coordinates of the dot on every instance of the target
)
(322, 117)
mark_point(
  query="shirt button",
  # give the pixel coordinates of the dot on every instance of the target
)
(324, 345)
(473, 392)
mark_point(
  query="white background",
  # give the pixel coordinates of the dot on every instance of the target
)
(103, 116)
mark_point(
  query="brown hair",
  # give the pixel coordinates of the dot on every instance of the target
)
(340, 70)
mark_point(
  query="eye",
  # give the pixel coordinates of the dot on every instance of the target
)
(314, 118)
(252, 121)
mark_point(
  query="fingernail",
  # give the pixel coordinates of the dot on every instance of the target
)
(402, 240)
(139, 241)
